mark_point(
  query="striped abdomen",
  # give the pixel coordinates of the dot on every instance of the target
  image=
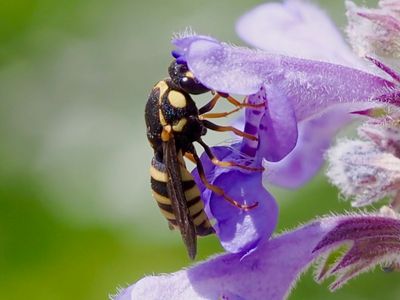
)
(159, 178)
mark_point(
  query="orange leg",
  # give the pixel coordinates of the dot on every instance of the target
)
(224, 164)
(236, 131)
(217, 190)
(242, 104)
(190, 157)
(219, 115)
(239, 105)
(210, 105)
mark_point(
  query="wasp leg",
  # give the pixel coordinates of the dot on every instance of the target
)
(224, 164)
(239, 105)
(242, 104)
(190, 157)
(236, 131)
(210, 105)
(220, 115)
(216, 189)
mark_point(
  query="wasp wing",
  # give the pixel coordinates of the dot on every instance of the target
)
(177, 196)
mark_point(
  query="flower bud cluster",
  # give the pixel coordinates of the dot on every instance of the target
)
(375, 31)
(368, 169)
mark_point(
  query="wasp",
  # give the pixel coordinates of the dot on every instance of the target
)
(174, 124)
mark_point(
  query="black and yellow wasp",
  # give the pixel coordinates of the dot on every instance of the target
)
(173, 124)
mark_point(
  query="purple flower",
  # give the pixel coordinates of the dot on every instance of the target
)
(308, 96)
(306, 103)
(271, 271)
(296, 28)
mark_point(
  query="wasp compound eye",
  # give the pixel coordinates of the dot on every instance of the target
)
(184, 79)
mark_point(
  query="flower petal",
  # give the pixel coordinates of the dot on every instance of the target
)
(310, 86)
(372, 240)
(238, 230)
(295, 28)
(306, 159)
(273, 268)
(277, 134)
(124, 294)
(266, 273)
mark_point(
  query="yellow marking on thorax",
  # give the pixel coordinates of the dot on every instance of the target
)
(163, 87)
(194, 209)
(161, 199)
(162, 119)
(167, 214)
(177, 99)
(192, 193)
(158, 175)
(178, 127)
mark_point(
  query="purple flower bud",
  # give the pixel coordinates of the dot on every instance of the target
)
(375, 31)
(369, 240)
(384, 133)
(362, 171)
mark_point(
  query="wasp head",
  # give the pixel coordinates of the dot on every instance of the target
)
(184, 79)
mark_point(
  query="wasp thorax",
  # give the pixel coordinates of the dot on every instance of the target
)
(184, 79)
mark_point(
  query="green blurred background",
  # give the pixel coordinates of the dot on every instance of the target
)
(76, 216)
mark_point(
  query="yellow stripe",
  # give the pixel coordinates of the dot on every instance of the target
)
(161, 199)
(207, 224)
(162, 119)
(167, 214)
(194, 209)
(178, 127)
(185, 174)
(200, 219)
(158, 175)
(163, 87)
(192, 193)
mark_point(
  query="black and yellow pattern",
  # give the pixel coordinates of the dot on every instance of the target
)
(159, 178)
(174, 123)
